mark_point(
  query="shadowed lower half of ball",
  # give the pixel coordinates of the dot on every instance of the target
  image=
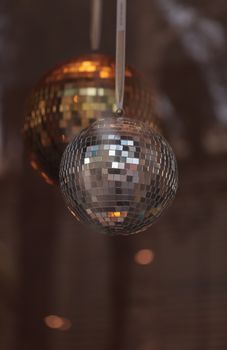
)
(118, 176)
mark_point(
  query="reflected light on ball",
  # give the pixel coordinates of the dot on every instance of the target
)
(118, 175)
(70, 98)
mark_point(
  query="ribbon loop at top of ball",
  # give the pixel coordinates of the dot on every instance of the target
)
(120, 52)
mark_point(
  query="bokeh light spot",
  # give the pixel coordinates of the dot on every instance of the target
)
(144, 257)
(57, 322)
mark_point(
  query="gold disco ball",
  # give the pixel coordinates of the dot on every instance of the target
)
(71, 97)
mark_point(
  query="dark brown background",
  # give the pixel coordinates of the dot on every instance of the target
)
(49, 264)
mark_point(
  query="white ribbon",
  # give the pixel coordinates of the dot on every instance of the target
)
(120, 53)
(96, 24)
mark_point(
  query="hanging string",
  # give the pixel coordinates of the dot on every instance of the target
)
(96, 24)
(120, 54)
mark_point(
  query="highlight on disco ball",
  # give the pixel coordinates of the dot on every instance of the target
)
(70, 98)
(118, 175)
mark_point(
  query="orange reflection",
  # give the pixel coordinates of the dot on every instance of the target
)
(106, 72)
(95, 65)
(46, 178)
(74, 214)
(57, 322)
(75, 98)
(116, 214)
(144, 257)
(87, 66)
(34, 165)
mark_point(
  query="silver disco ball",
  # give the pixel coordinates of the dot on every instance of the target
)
(118, 175)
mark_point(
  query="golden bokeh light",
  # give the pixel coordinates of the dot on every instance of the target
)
(144, 257)
(57, 322)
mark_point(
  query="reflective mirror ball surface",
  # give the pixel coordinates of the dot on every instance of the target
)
(118, 175)
(70, 98)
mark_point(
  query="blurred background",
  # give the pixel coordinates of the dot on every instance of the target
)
(63, 286)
